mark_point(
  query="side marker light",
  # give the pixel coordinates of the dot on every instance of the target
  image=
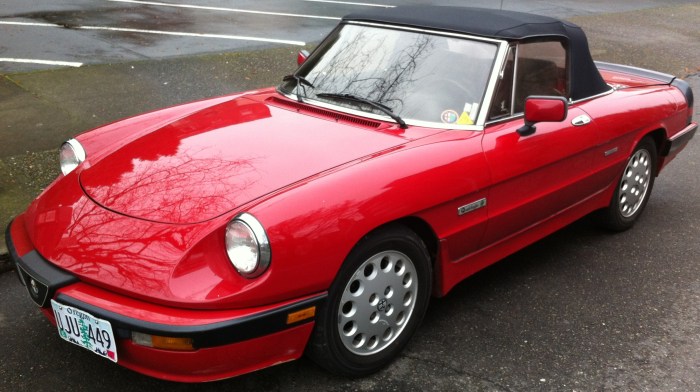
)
(300, 315)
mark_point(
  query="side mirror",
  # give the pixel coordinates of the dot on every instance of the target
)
(542, 109)
(302, 56)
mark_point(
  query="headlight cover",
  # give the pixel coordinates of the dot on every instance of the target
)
(247, 246)
(71, 155)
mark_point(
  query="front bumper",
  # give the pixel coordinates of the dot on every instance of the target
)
(226, 343)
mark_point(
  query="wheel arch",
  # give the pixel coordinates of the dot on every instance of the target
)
(326, 346)
(425, 232)
(659, 137)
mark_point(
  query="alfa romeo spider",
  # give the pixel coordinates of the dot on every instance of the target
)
(412, 148)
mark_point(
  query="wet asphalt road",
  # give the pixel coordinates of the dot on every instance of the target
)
(581, 310)
(77, 30)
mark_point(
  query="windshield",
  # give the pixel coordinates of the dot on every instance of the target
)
(418, 76)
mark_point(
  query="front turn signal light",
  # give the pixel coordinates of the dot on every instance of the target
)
(162, 342)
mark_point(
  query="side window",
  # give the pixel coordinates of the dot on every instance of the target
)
(541, 69)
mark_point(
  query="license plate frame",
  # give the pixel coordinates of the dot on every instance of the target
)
(85, 330)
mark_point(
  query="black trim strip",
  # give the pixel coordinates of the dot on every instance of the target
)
(12, 251)
(684, 87)
(645, 73)
(208, 335)
(34, 266)
(680, 139)
(45, 278)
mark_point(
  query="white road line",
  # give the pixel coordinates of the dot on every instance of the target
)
(182, 34)
(7, 22)
(47, 62)
(351, 3)
(202, 7)
(176, 33)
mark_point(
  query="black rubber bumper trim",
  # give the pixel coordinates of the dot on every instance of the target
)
(12, 252)
(41, 278)
(207, 335)
(684, 87)
(48, 279)
(680, 139)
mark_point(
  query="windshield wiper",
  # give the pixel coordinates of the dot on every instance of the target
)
(379, 106)
(300, 81)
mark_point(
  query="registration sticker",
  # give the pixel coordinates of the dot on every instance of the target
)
(85, 330)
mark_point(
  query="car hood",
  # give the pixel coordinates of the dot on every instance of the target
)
(212, 161)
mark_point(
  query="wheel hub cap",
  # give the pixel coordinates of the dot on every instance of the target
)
(377, 303)
(634, 183)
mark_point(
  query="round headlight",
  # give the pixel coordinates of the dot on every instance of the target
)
(72, 154)
(247, 246)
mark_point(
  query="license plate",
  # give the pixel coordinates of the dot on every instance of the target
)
(85, 330)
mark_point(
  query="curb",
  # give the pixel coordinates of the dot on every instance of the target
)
(5, 263)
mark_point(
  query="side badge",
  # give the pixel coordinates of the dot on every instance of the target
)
(471, 206)
(611, 151)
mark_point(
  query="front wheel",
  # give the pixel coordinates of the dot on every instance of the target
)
(634, 188)
(375, 303)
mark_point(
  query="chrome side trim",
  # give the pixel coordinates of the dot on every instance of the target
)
(515, 82)
(498, 63)
(612, 90)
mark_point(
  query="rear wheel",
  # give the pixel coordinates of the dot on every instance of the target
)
(634, 188)
(375, 303)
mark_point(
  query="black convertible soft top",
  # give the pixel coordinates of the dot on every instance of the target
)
(508, 25)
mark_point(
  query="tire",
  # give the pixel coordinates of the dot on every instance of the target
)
(633, 189)
(374, 305)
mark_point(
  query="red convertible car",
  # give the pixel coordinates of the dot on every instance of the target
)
(414, 147)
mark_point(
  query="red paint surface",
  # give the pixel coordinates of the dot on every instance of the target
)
(539, 109)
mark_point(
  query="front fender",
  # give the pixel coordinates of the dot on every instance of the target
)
(313, 226)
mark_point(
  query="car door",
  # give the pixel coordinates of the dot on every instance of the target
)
(537, 176)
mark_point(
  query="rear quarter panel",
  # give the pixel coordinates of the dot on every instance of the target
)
(624, 117)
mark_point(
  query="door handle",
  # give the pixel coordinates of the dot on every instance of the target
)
(580, 120)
